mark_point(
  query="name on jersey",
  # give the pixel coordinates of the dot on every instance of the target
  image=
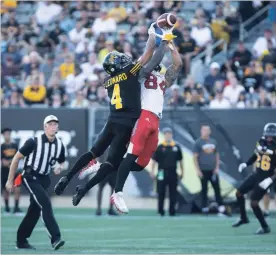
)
(116, 79)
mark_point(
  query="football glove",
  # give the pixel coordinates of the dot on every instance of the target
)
(242, 166)
(265, 183)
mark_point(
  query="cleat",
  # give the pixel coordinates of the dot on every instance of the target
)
(92, 167)
(57, 244)
(7, 211)
(80, 192)
(99, 212)
(111, 212)
(24, 245)
(262, 231)
(61, 185)
(118, 201)
(18, 212)
(240, 222)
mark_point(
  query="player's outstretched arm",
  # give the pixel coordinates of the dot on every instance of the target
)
(150, 47)
(174, 69)
(155, 60)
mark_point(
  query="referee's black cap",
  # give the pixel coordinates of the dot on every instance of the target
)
(4, 130)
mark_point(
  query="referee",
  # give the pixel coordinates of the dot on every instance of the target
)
(41, 154)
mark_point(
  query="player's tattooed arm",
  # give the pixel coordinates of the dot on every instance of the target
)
(175, 68)
(150, 47)
(155, 60)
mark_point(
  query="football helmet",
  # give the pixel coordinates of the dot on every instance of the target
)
(270, 130)
(115, 61)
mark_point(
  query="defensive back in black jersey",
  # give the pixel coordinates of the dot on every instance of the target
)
(266, 157)
(124, 91)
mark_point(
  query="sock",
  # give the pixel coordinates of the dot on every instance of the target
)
(123, 171)
(16, 203)
(259, 215)
(136, 167)
(103, 172)
(7, 205)
(241, 203)
(81, 162)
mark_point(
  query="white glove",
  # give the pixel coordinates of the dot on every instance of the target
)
(151, 29)
(242, 166)
(265, 183)
(57, 168)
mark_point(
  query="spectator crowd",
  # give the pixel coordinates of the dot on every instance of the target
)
(51, 52)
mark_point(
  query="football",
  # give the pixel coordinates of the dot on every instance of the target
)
(166, 20)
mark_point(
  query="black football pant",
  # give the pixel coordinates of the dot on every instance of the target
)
(40, 204)
(251, 183)
(171, 183)
(208, 176)
(113, 135)
(117, 136)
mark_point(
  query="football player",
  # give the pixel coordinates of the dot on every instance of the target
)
(259, 181)
(144, 139)
(124, 91)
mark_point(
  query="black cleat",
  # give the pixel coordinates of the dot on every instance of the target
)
(61, 185)
(24, 245)
(112, 212)
(57, 244)
(240, 222)
(99, 212)
(18, 211)
(80, 192)
(262, 231)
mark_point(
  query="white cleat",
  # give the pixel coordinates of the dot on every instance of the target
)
(118, 201)
(92, 167)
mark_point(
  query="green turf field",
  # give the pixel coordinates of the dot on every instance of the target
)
(143, 232)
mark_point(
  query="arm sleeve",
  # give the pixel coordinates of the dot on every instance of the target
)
(155, 60)
(61, 158)
(28, 147)
(251, 160)
(179, 156)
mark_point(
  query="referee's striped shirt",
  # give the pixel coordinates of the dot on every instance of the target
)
(41, 154)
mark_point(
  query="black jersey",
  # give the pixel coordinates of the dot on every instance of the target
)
(124, 91)
(266, 156)
(8, 150)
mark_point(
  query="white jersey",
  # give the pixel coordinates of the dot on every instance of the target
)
(152, 93)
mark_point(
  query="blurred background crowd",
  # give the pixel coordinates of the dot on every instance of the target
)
(51, 51)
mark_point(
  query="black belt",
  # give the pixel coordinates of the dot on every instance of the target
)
(32, 172)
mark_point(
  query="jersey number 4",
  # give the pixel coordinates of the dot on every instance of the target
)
(263, 162)
(116, 97)
(151, 83)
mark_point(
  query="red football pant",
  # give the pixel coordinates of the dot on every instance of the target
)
(144, 138)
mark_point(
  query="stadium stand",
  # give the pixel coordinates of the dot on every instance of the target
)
(51, 52)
